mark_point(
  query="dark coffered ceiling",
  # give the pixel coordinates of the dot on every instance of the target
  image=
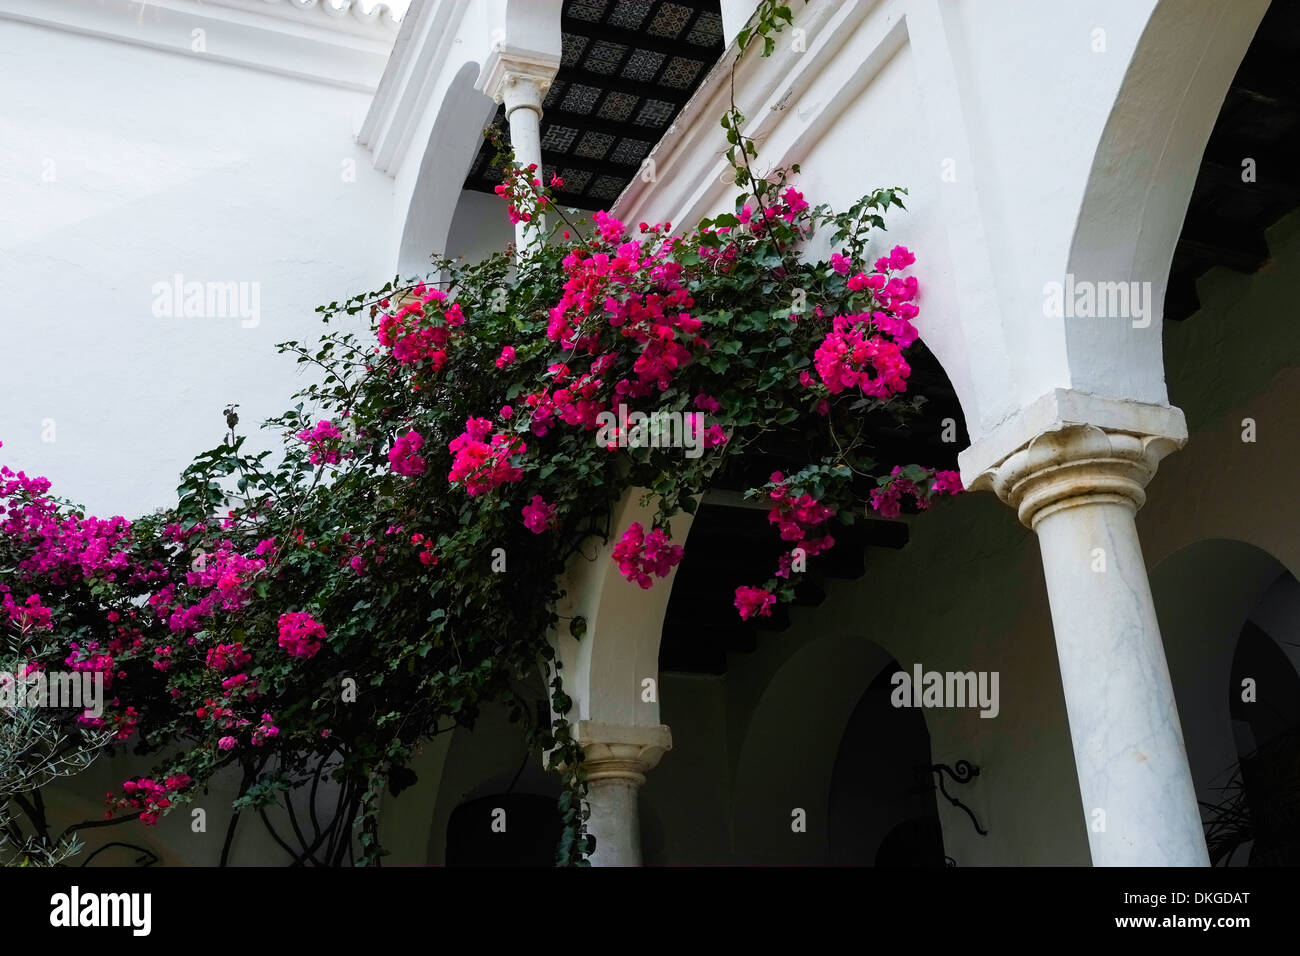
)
(628, 67)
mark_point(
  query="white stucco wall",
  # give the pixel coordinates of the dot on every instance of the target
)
(120, 167)
(479, 227)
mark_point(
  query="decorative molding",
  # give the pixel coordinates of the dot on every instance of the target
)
(283, 37)
(620, 753)
(346, 15)
(517, 77)
(1074, 465)
(1062, 407)
(423, 47)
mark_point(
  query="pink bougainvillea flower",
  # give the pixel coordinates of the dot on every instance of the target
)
(323, 442)
(28, 614)
(707, 403)
(264, 731)
(611, 230)
(849, 357)
(888, 498)
(900, 257)
(301, 634)
(226, 657)
(481, 459)
(640, 555)
(538, 515)
(403, 455)
(946, 483)
(754, 602)
(794, 204)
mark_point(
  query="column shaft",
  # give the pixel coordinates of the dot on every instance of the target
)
(517, 74)
(526, 141)
(1138, 798)
(615, 822)
(1079, 487)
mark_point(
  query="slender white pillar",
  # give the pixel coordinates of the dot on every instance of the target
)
(1078, 487)
(520, 81)
(523, 101)
(617, 759)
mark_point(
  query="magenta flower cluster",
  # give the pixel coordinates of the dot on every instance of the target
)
(640, 555)
(323, 442)
(404, 457)
(482, 458)
(538, 515)
(754, 602)
(888, 498)
(301, 634)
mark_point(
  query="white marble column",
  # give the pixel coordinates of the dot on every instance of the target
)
(520, 82)
(617, 759)
(1079, 487)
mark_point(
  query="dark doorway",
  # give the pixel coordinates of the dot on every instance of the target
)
(515, 829)
(1266, 785)
(882, 809)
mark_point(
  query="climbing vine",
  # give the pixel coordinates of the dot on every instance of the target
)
(308, 621)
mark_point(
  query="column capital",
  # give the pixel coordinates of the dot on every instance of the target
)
(518, 78)
(1066, 406)
(619, 752)
(1076, 464)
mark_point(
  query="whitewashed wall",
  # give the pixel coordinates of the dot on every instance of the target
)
(122, 166)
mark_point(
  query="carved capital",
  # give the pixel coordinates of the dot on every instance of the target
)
(518, 78)
(614, 752)
(1076, 465)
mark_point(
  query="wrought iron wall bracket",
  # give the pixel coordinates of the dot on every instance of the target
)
(964, 772)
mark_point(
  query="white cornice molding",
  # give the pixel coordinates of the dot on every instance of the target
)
(423, 45)
(287, 37)
(349, 16)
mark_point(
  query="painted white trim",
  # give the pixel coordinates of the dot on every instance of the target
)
(307, 44)
(348, 16)
(423, 45)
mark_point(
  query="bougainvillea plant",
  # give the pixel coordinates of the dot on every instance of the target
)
(323, 613)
